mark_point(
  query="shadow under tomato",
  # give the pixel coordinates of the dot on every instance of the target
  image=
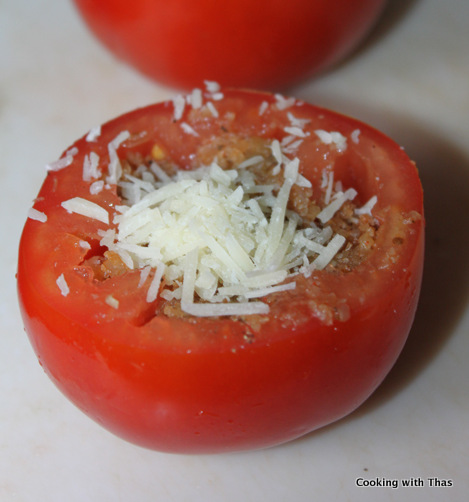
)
(394, 13)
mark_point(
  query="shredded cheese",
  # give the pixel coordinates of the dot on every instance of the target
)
(86, 208)
(355, 136)
(296, 131)
(93, 134)
(64, 161)
(212, 109)
(34, 214)
(188, 129)
(112, 302)
(96, 187)
(195, 98)
(114, 167)
(367, 207)
(263, 107)
(297, 122)
(214, 234)
(282, 102)
(63, 286)
(338, 200)
(91, 167)
(179, 104)
(211, 86)
(332, 138)
(84, 245)
(152, 292)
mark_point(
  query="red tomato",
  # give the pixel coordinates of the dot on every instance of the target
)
(264, 44)
(212, 384)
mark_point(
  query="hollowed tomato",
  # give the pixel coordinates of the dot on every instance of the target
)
(168, 380)
(267, 44)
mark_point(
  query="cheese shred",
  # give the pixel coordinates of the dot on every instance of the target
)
(87, 208)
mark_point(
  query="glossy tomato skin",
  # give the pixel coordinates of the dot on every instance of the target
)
(212, 385)
(266, 44)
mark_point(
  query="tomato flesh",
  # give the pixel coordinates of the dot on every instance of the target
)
(192, 385)
(265, 44)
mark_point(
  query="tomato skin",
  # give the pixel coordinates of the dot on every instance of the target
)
(209, 403)
(202, 387)
(267, 44)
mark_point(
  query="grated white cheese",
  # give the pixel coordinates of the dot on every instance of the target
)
(338, 201)
(291, 143)
(179, 104)
(84, 245)
(90, 167)
(367, 207)
(213, 234)
(355, 136)
(282, 102)
(297, 122)
(263, 107)
(257, 293)
(86, 208)
(252, 161)
(96, 187)
(114, 166)
(275, 229)
(301, 181)
(195, 98)
(328, 252)
(212, 109)
(159, 172)
(63, 162)
(214, 90)
(34, 214)
(93, 134)
(112, 302)
(152, 292)
(144, 273)
(332, 138)
(188, 129)
(292, 146)
(212, 86)
(62, 284)
(225, 309)
(277, 151)
(296, 131)
(328, 184)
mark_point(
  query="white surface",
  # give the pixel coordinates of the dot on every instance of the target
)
(411, 79)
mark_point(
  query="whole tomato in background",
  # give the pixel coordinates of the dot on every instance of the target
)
(265, 44)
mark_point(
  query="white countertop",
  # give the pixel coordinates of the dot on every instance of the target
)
(411, 79)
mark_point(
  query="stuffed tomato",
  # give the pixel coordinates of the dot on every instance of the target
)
(228, 270)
